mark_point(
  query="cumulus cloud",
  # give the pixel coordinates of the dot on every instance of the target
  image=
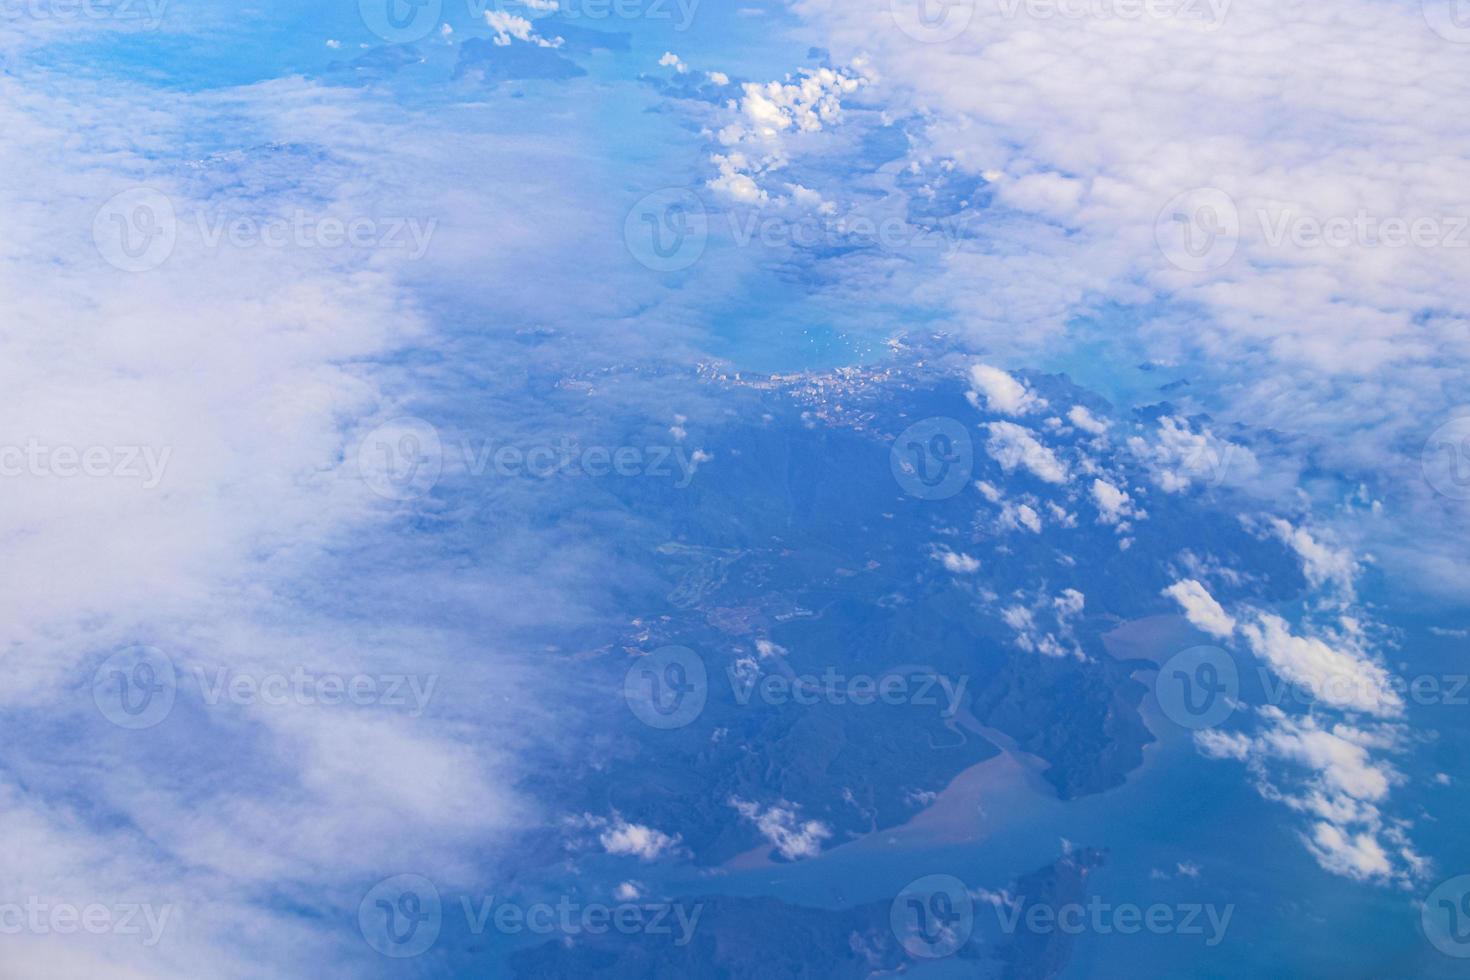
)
(1337, 674)
(1013, 446)
(508, 27)
(1114, 505)
(1322, 563)
(781, 825)
(1020, 516)
(960, 564)
(1201, 609)
(1002, 393)
(1059, 641)
(1079, 416)
(1342, 796)
(618, 836)
(767, 116)
(1179, 456)
(1069, 604)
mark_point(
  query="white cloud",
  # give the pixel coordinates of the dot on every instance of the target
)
(1012, 445)
(621, 837)
(507, 26)
(1321, 563)
(1047, 194)
(960, 564)
(1033, 639)
(1020, 515)
(766, 649)
(636, 840)
(780, 824)
(1019, 95)
(1353, 855)
(1201, 609)
(1178, 456)
(1079, 416)
(1342, 793)
(1069, 604)
(1002, 393)
(1341, 675)
(767, 116)
(1113, 505)
(259, 368)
